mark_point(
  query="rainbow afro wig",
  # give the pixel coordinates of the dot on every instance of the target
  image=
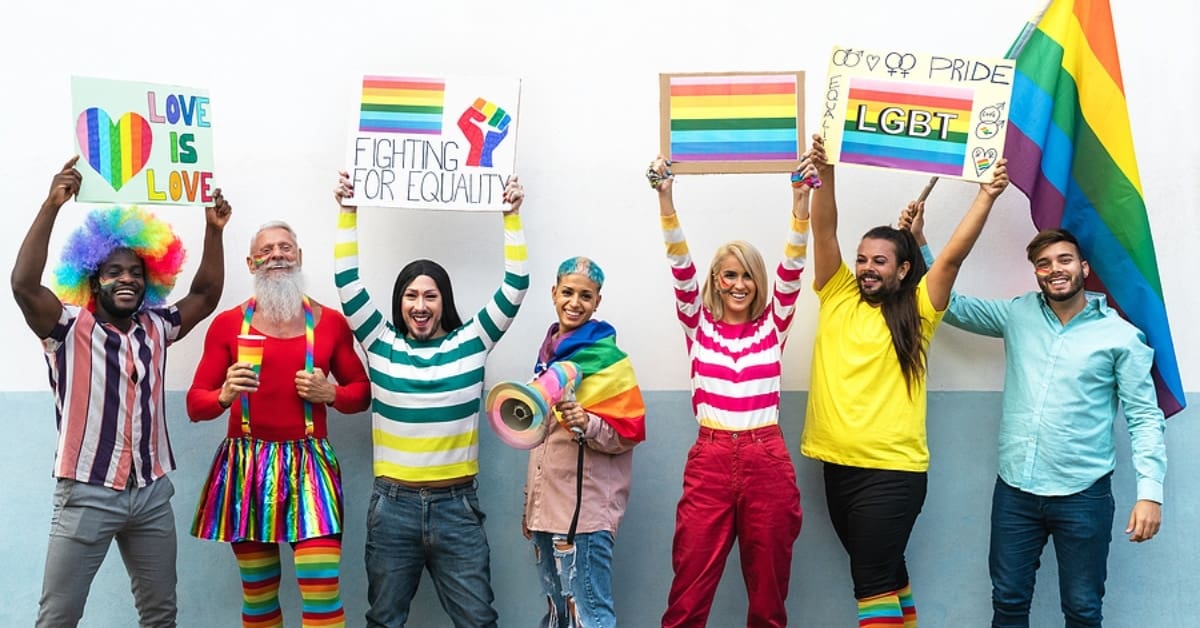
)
(106, 230)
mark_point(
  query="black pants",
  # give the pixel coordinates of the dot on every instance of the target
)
(873, 512)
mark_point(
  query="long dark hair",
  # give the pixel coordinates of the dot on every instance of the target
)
(450, 319)
(899, 308)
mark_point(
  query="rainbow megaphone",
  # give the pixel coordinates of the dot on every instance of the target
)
(518, 411)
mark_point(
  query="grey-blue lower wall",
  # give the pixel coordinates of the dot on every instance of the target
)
(1150, 584)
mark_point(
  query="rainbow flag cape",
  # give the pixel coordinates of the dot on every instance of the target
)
(1070, 151)
(609, 389)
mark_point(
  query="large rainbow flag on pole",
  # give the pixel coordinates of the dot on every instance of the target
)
(1070, 151)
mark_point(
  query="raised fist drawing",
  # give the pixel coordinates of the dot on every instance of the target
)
(482, 115)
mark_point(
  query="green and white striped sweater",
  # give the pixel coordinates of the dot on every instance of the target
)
(426, 394)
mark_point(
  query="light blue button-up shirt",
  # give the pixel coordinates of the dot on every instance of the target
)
(1061, 387)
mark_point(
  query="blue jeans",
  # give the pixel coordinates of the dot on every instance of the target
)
(588, 579)
(1081, 525)
(440, 529)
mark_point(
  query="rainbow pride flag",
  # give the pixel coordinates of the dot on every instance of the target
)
(1070, 150)
(939, 148)
(401, 105)
(734, 118)
(609, 388)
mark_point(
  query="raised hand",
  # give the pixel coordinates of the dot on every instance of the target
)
(65, 184)
(495, 119)
(912, 219)
(804, 177)
(817, 154)
(999, 180)
(514, 195)
(660, 176)
(217, 215)
(344, 190)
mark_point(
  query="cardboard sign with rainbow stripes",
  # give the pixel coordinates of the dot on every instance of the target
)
(434, 142)
(929, 114)
(732, 121)
(142, 142)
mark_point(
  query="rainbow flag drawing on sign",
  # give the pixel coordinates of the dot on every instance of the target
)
(934, 142)
(733, 118)
(401, 105)
(1071, 152)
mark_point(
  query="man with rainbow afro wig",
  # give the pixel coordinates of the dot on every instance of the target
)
(105, 329)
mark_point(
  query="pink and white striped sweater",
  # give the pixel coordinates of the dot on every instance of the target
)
(735, 368)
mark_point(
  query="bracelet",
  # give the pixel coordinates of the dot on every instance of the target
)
(655, 178)
(798, 180)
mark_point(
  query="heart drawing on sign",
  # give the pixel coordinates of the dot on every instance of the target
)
(118, 151)
(983, 158)
(872, 61)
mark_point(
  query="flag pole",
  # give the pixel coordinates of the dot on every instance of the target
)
(1017, 46)
(1014, 51)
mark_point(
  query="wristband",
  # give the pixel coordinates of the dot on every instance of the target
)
(655, 178)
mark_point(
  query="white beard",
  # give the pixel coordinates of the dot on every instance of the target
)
(278, 298)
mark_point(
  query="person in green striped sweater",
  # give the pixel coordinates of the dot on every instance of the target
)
(426, 368)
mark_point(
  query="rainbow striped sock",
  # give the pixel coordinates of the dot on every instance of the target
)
(908, 606)
(880, 611)
(258, 564)
(317, 564)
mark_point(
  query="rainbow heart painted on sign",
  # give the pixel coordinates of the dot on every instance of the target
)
(117, 151)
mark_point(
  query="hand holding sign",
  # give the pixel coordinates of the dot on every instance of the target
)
(217, 214)
(514, 195)
(65, 184)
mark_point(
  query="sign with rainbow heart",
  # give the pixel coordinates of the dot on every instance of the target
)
(434, 143)
(931, 114)
(142, 142)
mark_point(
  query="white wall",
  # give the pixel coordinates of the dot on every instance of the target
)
(282, 77)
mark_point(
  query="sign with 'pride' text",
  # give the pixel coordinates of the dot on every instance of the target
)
(142, 142)
(931, 114)
(434, 142)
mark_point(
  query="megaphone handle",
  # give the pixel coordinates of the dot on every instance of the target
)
(569, 395)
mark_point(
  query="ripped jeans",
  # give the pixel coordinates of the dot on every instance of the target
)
(588, 581)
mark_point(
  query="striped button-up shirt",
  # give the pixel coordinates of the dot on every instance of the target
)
(108, 396)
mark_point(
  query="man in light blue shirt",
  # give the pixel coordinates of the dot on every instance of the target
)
(1069, 359)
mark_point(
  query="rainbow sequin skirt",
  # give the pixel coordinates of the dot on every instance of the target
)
(271, 492)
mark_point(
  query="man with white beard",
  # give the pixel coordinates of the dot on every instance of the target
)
(275, 478)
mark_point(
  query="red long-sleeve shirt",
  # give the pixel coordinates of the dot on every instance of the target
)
(276, 411)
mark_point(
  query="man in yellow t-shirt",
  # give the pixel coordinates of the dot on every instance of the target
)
(866, 403)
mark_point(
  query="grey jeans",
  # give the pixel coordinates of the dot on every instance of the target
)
(86, 519)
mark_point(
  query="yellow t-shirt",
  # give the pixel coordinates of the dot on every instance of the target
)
(859, 411)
